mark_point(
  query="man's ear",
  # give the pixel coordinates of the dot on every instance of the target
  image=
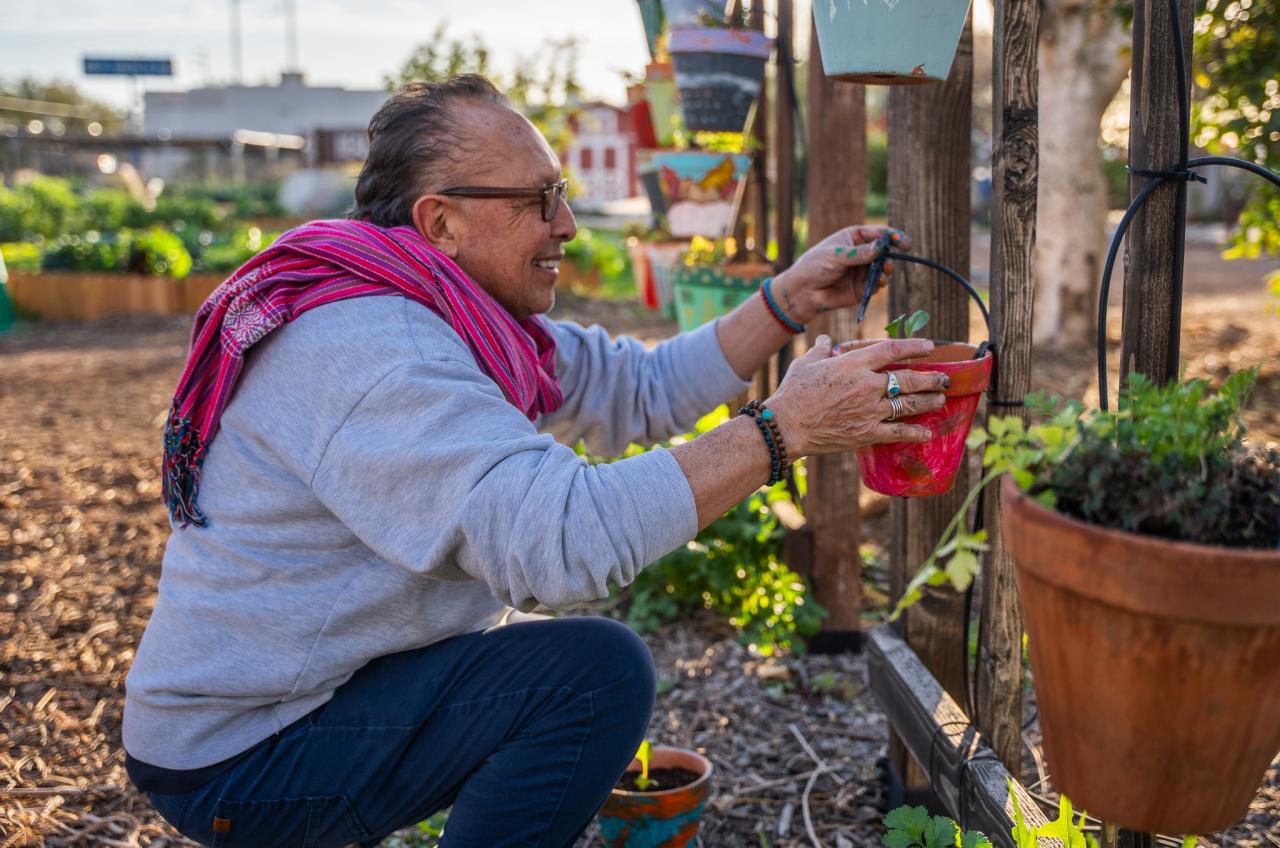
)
(434, 221)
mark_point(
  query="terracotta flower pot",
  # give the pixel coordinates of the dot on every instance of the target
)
(1156, 667)
(701, 190)
(664, 258)
(705, 292)
(913, 470)
(663, 819)
(719, 73)
(889, 42)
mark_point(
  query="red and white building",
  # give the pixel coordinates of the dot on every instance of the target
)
(602, 155)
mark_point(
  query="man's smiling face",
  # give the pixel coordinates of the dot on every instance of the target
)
(504, 244)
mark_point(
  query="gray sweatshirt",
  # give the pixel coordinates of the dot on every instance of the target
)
(371, 491)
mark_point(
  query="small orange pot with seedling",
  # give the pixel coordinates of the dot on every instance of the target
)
(658, 800)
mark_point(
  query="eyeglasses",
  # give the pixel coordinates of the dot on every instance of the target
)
(551, 195)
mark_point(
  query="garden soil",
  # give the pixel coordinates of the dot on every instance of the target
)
(82, 532)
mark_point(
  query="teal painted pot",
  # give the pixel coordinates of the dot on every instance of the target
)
(719, 73)
(651, 17)
(691, 13)
(701, 190)
(667, 818)
(705, 292)
(889, 42)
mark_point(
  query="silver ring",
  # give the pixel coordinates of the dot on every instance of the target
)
(895, 404)
(894, 388)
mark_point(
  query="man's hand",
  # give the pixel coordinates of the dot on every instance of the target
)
(831, 274)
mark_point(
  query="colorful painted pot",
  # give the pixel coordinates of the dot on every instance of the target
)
(705, 292)
(682, 14)
(660, 92)
(889, 42)
(651, 17)
(665, 819)
(719, 73)
(665, 257)
(642, 271)
(912, 469)
(701, 190)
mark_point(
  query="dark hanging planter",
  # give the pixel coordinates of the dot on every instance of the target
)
(719, 73)
(889, 42)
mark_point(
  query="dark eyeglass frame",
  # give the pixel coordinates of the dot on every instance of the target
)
(551, 194)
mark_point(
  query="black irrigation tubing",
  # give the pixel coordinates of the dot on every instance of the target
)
(973, 293)
(1184, 171)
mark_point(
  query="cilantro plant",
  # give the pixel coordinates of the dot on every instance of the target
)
(905, 326)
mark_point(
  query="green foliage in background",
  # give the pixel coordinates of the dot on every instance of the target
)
(1237, 109)
(733, 568)
(21, 256)
(155, 251)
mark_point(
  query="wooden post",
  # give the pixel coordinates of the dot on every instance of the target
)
(784, 140)
(1153, 282)
(760, 135)
(837, 197)
(1015, 165)
(929, 179)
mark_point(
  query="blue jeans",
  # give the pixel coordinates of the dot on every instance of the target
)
(523, 729)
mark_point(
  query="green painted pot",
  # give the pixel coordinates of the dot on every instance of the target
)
(6, 305)
(705, 292)
(889, 42)
(660, 91)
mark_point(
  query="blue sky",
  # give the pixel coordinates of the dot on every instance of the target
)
(349, 43)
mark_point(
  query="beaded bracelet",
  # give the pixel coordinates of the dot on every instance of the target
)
(779, 466)
(778, 315)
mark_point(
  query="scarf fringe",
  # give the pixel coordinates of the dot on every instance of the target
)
(183, 458)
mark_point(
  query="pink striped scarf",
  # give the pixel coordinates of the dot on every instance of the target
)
(320, 263)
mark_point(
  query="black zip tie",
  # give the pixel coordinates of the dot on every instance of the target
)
(1012, 404)
(1184, 174)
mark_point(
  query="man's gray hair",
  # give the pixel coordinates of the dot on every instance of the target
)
(416, 143)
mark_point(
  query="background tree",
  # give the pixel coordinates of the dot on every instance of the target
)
(62, 93)
(544, 87)
(1237, 113)
(1084, 57)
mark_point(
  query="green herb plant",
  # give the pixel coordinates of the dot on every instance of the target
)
(905, 326)
(1170, 462)
(732, 568)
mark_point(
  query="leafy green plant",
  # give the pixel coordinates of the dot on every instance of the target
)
(734, 568)
(159, 253)
(905, 326)
(90, 251)
(913, 827)
(1170, 462)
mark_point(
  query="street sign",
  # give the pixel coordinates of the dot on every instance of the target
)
(128, 67)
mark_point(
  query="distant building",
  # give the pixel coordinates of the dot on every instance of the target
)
(602, 154)
(292, 107)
